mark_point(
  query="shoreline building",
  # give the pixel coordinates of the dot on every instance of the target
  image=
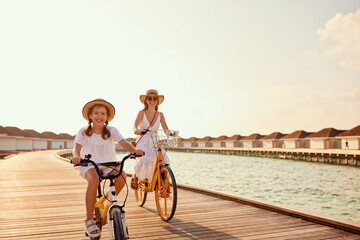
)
(219, 142)
(253, 141)
(13, 139)
(297, 140)
(273, 140)
(190, 142)
(205, 142)
(234, 141)
(350, 139)
(325, 139)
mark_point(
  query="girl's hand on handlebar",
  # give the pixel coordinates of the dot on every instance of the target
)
(76, 160)
(139, 152)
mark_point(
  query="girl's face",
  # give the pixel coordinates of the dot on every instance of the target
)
(99, 115)
(152, 100)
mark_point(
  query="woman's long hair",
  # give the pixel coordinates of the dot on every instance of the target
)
(105, 133)
(146, 106)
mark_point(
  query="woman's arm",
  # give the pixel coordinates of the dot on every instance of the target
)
(163, 122)
(76, 154)
(137, 122)
(130, 148)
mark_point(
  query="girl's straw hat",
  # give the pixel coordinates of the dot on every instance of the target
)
(152, 92)
(98, 101)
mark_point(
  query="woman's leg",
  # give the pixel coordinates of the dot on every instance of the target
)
(92, 178)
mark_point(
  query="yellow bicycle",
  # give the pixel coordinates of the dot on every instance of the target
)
(107, 209)
(163, 180)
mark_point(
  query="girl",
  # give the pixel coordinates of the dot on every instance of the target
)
(98, 139)
(148, 118)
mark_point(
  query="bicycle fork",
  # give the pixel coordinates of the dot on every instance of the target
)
(114, 206)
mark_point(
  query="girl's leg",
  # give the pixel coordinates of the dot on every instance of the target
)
(119, 181)
(92, 178)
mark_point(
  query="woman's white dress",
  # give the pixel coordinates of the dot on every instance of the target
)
(144, 166)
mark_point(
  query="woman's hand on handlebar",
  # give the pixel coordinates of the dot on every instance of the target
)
(139, 152)
(140, 132)
(75, 160)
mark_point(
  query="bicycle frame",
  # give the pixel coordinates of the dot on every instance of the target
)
(155, 176)
(107, 215)
(108, 210)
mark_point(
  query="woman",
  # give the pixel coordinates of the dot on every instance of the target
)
(149, 118)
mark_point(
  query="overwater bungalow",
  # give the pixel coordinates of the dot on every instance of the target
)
(190, 142)
(273, 140)
(205, 142)
(13, 138)
(297, 140)
(351, 137)
(253, 141)
(219, 142)
(234, 141)
(325, 139)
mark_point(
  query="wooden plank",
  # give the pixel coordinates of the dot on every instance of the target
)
(42, 197)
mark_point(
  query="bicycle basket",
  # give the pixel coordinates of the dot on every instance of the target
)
(164, 138)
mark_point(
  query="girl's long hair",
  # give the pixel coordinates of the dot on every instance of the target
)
(146, 106)
(105, 133)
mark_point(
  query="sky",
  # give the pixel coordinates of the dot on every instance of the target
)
(225, 67)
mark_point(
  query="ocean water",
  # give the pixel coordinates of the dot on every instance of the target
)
(324, 188)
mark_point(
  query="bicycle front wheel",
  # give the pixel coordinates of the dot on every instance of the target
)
(140, 196)
(166, 195)
(118, 227)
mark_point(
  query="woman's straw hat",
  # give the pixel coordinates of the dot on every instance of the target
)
(98, 101)
(152, 92)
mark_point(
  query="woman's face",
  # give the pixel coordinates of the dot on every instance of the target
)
(152, 101)
(99, 115)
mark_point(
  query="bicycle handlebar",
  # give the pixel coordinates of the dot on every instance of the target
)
(84, 162)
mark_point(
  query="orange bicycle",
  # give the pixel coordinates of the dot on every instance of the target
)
(163, 181)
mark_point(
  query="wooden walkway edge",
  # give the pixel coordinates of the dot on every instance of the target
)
(42, 197)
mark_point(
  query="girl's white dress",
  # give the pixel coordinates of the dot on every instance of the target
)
(144, 166)
(101, 150)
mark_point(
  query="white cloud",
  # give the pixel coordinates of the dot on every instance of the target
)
(340, 36)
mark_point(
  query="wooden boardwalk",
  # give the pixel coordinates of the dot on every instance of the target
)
(42, 197)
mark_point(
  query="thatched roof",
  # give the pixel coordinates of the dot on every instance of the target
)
(254, 136)
(205, 139)
(352, 132)
(274, 135)
(14, 131)
(221, 138)
(235, 137)
(66, 136)
(297, 134)
(31, 133)
(192, 139)
(326, 132)
(49, 135)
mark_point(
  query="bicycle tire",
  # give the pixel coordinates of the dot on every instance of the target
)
(166, 196)
(118, 227)
(140, 196)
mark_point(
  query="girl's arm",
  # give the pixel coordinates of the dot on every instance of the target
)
(76, 154)
(163, 122)
(130, 148)
(137, 122)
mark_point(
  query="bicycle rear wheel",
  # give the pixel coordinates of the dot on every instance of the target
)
(140, 196)
(166, 196)
(118, 225)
